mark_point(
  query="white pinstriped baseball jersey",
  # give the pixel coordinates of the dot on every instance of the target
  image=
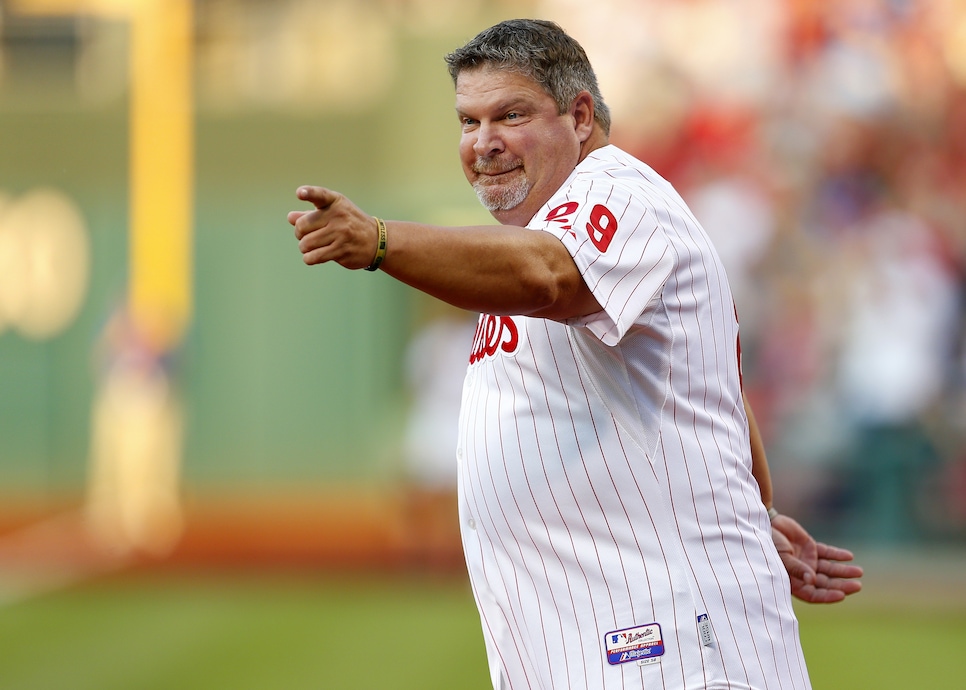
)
(614, 533)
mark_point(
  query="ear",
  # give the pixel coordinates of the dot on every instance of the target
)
(582, 110)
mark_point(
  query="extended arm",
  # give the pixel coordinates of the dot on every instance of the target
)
(492, 269)
(819, 573)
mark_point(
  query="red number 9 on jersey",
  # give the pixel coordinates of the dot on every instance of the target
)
(602, 227)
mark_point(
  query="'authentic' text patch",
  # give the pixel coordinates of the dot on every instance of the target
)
(642, 643)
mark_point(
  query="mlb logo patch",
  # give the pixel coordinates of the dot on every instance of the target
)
(642, 643)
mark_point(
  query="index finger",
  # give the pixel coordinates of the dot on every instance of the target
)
(834, 553)
(320, 197)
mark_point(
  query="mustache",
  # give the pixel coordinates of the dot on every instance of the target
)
(493, 166)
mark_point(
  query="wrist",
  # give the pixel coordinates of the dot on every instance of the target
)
(772, 514)
(381, 242)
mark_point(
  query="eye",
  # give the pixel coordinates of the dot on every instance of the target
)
(512, 116)
(467, 121)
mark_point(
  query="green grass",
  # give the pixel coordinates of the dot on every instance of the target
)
(288, 632)
(888, 645)
(212, 633)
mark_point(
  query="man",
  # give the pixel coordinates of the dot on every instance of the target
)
(614, 531)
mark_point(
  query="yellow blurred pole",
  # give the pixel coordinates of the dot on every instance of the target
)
(99, 8)
(162, 169)
(161, 156)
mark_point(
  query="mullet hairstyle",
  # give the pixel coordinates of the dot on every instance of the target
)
(539, 50)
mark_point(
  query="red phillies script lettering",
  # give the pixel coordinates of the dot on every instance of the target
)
(494, 333)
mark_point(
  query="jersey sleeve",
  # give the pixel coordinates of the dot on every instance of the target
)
(619, 246)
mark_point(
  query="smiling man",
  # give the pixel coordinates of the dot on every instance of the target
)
(614, 530)
(516, 148)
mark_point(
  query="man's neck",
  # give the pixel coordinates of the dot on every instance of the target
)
(597, 139)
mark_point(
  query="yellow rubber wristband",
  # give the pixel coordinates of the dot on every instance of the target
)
(772, 513)
(380, 246)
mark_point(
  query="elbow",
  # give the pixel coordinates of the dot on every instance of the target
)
(541, 292)
(558, 292)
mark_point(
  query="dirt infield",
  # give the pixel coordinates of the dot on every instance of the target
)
(335, 527)
(338, 527)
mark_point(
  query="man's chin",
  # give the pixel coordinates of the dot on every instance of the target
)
(496, 198)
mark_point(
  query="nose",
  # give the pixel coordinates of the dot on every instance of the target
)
(488, 141)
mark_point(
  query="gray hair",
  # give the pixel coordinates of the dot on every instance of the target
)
(541, 51)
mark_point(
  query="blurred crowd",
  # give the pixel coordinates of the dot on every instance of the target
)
(834, 184)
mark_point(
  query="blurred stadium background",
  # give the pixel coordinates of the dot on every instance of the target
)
(178, 393)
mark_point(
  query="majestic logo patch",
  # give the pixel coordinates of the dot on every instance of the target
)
(643, 644)
(494, 334)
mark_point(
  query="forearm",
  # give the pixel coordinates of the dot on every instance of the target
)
(759, 461)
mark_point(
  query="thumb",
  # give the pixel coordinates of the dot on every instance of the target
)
(320, 197)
